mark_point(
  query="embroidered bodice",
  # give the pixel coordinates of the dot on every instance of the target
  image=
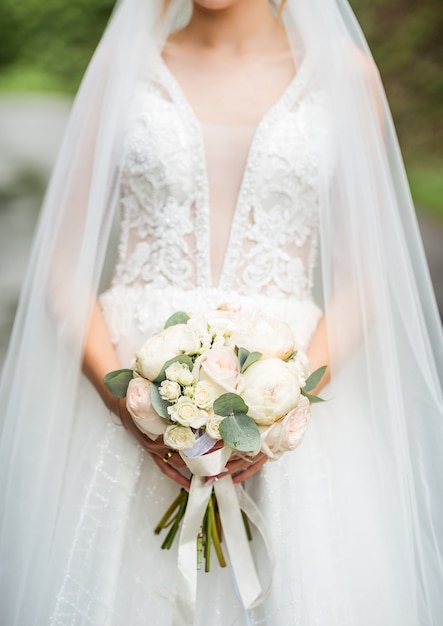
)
(168, 191)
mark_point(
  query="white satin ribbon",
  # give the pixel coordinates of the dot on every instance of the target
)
(186, 590)
(234, 533)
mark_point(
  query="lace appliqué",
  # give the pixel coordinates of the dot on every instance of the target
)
(165, 200)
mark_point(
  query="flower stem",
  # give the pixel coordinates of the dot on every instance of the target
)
(215, 531)
(200, 548)
(208, 527)
(173, 531)
(165, 519)
(217, 518)
(246, 525)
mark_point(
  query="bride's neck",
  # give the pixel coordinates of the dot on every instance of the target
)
(241, 26)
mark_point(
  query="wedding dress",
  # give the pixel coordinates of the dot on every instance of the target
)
(177, 178)
(210, 215)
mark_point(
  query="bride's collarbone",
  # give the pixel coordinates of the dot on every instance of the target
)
(234, 90)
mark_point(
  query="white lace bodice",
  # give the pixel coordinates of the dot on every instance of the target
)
(166, 203)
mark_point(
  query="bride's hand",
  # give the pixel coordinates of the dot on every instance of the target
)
(242, 468)
(169, 462)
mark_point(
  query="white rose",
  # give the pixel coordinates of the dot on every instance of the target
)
(271, 389)
(221, 327)
(213, 425)
(220, 367)
(138, 403)
(179, 437)
(158, 349)
(204, 394)
(300, 366)
(198, 324)
(190, 342)
(219, 341)
(169, 390)
(189, 391)
(179, 373)
(287, 433)
(187, 413)
(260, 333)
(206, 342)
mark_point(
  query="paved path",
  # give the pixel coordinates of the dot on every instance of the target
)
(30, 132)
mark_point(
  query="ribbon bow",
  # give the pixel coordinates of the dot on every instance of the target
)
(231, 501)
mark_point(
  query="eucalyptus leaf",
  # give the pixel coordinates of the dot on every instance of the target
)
(230, 404)
(315, 378)
(179, 317)
(243, 354)
(313, 399)
(240, 432)
(160, 405)
(180, 358)
(291, 356)
(252, 358)
(117, 382)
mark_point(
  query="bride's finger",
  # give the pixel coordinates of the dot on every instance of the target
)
(171, 472)
(250, 471)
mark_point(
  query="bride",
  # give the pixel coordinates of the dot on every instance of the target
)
(226, 151)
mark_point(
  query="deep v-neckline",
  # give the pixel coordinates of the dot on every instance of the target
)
(239, 217)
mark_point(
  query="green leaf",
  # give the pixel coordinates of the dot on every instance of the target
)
(180, 358)
(240, 432)
(313, 399)
(117, 382)
(315, 378)
(179, 317)
(243, 354)
(230, 404)
(252, 358)
(291, 356)
(160, 405)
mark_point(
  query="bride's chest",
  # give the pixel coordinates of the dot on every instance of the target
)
(165, 154)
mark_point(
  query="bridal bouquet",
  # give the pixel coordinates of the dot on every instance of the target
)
(227, 382)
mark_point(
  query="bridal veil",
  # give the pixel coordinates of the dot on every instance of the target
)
(384, 331)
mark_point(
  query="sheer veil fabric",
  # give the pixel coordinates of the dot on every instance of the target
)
(385, 415)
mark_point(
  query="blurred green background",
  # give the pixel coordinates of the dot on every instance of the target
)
(45, 47)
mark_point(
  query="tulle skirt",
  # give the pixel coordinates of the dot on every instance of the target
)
(337, 538)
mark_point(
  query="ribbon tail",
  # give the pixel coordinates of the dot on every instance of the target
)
(237, 542)
(186, 588)
(248, 505)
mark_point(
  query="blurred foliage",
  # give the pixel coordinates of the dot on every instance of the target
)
(46, 45)
(50, 39)
(406, 40)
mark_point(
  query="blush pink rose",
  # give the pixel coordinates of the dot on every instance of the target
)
(138, 403)
(221, 368)
(287, 434)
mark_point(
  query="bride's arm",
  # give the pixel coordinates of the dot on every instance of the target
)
(99, 358)
(318, 354)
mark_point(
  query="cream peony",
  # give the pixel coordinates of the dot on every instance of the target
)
(138, 403)
(271, 390)
(286, 434)
(158, 349)
(187, 413)
(300, 366)
(179, 437)
(220, 367)
(260, 333)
